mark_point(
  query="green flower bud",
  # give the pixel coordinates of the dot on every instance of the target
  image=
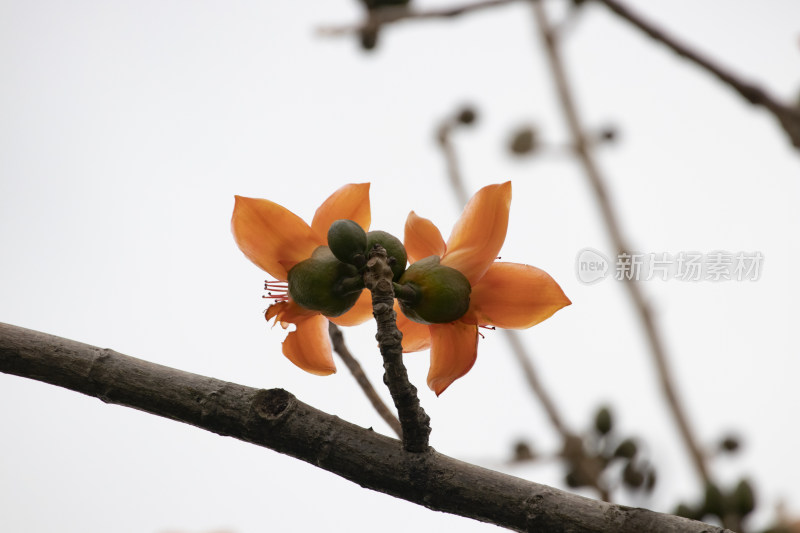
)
(325, 284)
(714, 501)
(743, 499)
(632, 476)
(348, 242)
(650, 482)
(626, 449)
(729, 444)
(688, 512)
(603, 422)
(575, 478)
(431, 293)
(394, 248)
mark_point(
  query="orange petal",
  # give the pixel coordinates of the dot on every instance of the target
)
(289, 312)
(358, 314)
(422, 238)
(480, 231)
(309, 346)
(270, 235)
(416, 336)
(350, 202)
(454, 348)
(515, 296)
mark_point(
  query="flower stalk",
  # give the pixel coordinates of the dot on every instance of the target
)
(414, 422)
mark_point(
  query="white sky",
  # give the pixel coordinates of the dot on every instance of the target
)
(127, 127)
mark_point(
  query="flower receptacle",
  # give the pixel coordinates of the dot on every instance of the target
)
(431, 293)
(325, 284)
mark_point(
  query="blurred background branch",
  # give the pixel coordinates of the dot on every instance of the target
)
(583, 466)
(581, 145)
(340, 347)
(788, 116)
(613, 227)
(383, 16)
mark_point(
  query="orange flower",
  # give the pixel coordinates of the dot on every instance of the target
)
(276, 239)
(507, 295)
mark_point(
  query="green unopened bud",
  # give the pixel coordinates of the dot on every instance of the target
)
(743, 499)
(729, 444)
(626, 449)
(325, 284)
(394, 248)
(431, 293)
(650, 482)
(688, 512)
(576, 478)
(348, 242)
(632, 476)
(714, 501)
(603, 422)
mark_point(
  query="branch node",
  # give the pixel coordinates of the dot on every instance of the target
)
(272, 404)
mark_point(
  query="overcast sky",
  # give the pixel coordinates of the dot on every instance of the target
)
(127, 127)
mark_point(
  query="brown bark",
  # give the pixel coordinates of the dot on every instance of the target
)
(277, 420)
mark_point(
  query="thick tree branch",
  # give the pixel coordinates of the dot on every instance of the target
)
(277, 420)
(414, 421)
(339, 346)
(788, 117)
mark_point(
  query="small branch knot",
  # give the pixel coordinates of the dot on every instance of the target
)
(271, 404)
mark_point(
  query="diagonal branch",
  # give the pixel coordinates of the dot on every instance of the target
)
(339, 346)
(789, 117)
(277, 420)
(598, 184)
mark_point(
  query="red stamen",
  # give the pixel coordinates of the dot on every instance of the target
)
(276, 290)
(485, 327)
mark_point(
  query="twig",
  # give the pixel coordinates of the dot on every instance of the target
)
(389, 15)
(451, 161)
(572, 446)
(524, 360)
(339, 346)
(597, 183)
(789, 117)
(413, 420)
(277, 420)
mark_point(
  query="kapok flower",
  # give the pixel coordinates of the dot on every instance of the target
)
(506, 295)
(275, 239)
